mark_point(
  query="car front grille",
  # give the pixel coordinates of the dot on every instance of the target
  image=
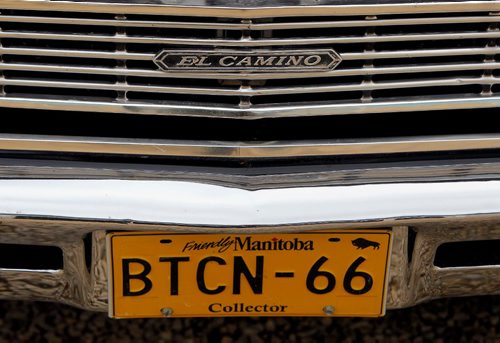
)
(391, 62)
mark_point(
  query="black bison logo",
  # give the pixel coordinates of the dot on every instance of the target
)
(361, 243)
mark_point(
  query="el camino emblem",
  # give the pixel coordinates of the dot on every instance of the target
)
(231, 61)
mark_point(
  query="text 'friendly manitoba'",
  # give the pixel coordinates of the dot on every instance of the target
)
(249, 244)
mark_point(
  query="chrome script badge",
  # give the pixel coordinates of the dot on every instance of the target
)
(248, 61)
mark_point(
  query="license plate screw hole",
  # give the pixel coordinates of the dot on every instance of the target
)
(329, 310)
(166, 241)
(167, 311)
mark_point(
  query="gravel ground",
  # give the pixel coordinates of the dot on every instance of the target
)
(450, 320)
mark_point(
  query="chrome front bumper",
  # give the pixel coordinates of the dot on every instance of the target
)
(61, 212)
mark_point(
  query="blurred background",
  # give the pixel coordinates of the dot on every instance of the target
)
(449, 320)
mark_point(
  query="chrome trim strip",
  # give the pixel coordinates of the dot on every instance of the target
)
(335, 9)
(374, 22)
(144, 23)
(122, 38)
(250, 25)
(90, 70)
(283, 149)
(246, 76)
(299, 110)
(253, 178)
(419, 53)
(251, 91)
(125, 87)
(115, 55)
(345, 56)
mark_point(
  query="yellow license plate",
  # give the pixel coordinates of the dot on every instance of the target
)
(335, 273)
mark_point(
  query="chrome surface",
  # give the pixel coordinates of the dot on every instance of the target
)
(282, 149)
(191, 203)
(60, 213)
(77, 53)
(247, 25)
(119, 38)
(346, 56)
(419, 280)
(46, 49)
(256, 179)
(249, 91)
(254, 9)
(424, 104)
(246, 76)
(188, 203)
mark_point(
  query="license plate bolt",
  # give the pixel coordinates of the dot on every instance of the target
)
(329, 310)
(167, 311)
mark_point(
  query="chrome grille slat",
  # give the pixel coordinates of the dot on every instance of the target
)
(159, 74)
(400, 55)
(345, 56)
(164, 108)
(125, 23)
(127, 87)
(250, 42)
(223, 10)
(250, 25)
(247, 149)
(419, 53)
(77, 54)
(248, 91)
(377, 22)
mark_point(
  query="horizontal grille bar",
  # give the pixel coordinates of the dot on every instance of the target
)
(345, 72)
(126, 87)
(419, 53)
(345, 56)
(249, 12)
(124, 23)
(119, 38)
(77, 53)
(233, 112)
(246, 150)
(250, 25)
(249, 91)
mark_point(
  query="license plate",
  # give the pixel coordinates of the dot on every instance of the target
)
(334, 273)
